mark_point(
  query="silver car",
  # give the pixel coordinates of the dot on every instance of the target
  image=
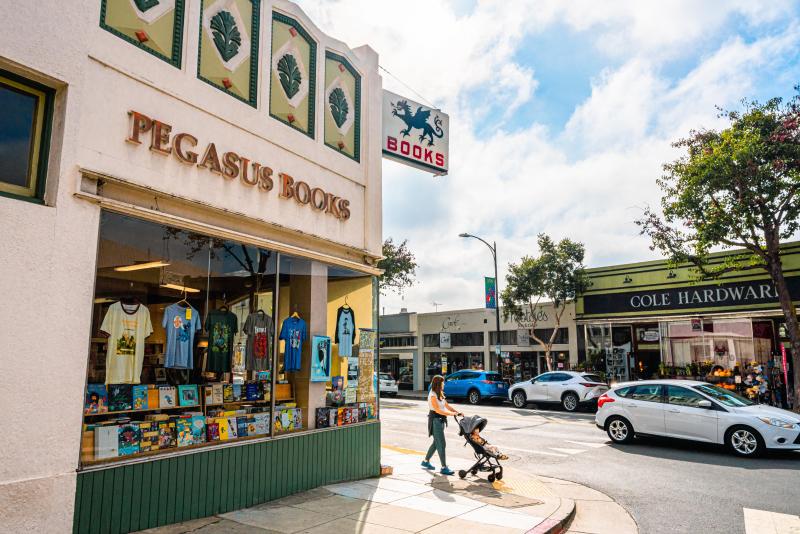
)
(696, 411)
(568, 388)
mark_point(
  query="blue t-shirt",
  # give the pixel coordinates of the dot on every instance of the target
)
(180, 335)
(294, 333)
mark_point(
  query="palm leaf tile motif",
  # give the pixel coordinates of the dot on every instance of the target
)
(145, 5)
(339, 108)
(289, 75)
(227, 38)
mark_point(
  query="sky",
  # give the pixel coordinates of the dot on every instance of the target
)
(562, 114)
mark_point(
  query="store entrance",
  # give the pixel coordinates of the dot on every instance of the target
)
(646, 364)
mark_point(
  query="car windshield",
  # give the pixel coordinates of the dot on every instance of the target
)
(384, 376)
(724, 396)
(494, 377)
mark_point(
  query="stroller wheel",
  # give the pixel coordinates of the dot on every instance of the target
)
(474, 472)
(499, 476)
(462, 473)
(491, 477)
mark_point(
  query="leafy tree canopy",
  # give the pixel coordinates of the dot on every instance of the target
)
(399, 266)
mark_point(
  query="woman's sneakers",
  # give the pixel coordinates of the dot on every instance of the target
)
(427, 465)
(447, 471)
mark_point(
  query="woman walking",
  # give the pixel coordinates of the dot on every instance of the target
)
(439, 411)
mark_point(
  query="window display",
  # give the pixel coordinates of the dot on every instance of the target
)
(184, 345)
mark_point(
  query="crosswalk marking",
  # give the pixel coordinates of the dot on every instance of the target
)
(763, 522)
(567, 451)
(587, 444)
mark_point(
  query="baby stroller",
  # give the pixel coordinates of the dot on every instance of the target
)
(486, 461)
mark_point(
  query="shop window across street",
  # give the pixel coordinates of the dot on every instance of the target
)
(198, 341)
(24, 136)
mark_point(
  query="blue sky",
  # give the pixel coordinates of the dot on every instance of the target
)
(561, 115)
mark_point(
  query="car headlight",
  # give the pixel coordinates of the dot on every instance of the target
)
(772, 421)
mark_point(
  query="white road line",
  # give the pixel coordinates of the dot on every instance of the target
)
(763, 522)
(587, 444)
(567, 451)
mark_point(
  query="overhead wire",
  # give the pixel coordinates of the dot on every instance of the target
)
(424, 100)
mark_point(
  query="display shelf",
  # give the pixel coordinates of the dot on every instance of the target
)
(142, 411)
(260, 401)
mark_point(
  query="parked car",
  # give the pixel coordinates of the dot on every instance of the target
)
(696, 411)
(568, 388)
(475, 386)
(388, 384)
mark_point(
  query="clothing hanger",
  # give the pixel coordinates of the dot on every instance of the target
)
(184, 301)
(224, 306)
(295, 314)
(346, 305)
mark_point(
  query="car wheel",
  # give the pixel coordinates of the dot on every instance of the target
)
(619, 430)
(570, 402)
(519, 399)
(474, 396)
(744, 441)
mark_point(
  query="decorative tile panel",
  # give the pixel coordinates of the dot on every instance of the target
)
(342, 106)
(153, 25)
(293, 68)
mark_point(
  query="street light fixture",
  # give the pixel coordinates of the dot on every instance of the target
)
(493, 248)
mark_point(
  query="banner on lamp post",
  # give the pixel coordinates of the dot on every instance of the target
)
(490, 285)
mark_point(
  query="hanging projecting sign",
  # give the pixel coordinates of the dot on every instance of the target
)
(444, 340)
(414, 134)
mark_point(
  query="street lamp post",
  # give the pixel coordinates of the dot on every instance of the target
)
(493, 248)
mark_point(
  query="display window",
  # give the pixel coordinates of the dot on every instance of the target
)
(198, 341)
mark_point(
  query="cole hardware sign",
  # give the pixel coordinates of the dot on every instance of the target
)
(666, 301)
(415, 135)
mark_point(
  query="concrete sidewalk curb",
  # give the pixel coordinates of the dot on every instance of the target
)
(559, 521)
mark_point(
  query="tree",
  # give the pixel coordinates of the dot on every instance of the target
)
(399, 266)
(557, 274)
(736, 188)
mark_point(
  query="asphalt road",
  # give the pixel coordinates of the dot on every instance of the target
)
(668, 486)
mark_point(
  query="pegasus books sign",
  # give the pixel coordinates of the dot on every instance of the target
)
(416, 135)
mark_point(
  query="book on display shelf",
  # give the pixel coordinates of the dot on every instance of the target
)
(139, 396)
(167, 396)
(130, 436)
(227, 392)
(149, 436)
(106, 441)
(96, 399)
(187, 395)
(218, 396)
(120, 397)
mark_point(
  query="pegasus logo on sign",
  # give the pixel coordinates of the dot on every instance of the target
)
(415, 134)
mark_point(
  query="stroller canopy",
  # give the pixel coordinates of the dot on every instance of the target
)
(469, 424)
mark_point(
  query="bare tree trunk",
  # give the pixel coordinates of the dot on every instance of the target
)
(547, 359)
(792, 326)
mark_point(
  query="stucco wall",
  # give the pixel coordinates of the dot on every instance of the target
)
(47, 262)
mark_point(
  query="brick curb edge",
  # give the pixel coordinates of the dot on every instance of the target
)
(558, 521)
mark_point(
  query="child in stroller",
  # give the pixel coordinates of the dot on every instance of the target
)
(488, 456)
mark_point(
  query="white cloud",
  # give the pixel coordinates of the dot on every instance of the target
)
(588, 182)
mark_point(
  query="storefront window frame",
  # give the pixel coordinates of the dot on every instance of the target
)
(271, 435)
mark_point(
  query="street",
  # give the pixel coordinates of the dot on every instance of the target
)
(668, 486)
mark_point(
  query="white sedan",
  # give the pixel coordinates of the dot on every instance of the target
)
(568, 388)
(388, 384)
(696, 411)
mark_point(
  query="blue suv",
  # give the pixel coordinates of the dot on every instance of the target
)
(475, 386)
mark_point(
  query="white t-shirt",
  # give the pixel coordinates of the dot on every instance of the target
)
(434, 403)
(127, 326)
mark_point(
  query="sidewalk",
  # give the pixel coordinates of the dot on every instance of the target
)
(415, 500)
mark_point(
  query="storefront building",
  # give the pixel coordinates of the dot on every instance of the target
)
(647, 320)
(190, 194)
(399, 348)
(449, 341)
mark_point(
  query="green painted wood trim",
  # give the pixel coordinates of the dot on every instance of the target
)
(312, 73)
(177, 34)
(357, 122)
(254, 31)
(189, 486)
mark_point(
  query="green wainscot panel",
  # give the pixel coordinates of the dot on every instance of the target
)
(144, 495)
(293, 67)
(342, 106)
(153, 25)
(228, 56)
